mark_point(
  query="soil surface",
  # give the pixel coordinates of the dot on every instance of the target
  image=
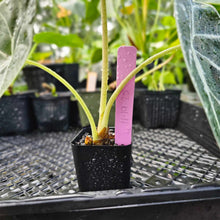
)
(108, 141)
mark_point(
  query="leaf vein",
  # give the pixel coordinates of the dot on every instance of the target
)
(5, 21)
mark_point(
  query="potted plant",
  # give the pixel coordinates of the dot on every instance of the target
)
(100, 134)
(158, 106)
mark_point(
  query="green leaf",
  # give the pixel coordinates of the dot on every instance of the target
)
(92, 12)
(16, 18)
(41, 55)
(147, 80)
(96, 55)
(199, 33)
(21, 88)
(179, 74)
(167, 78)
(168, 21)
(156, 76)
(68, 40)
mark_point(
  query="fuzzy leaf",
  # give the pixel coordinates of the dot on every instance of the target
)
(69, 40)
(16, 19)
(199, 32)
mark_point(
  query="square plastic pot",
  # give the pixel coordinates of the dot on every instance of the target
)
(16, 115)
(101, 167)
(52, 113)
(159, 109)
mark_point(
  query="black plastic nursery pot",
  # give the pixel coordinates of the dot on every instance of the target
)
(101, 167)
(16, 115)
(35, 76)
(92, 100)
(52, 113)
(159, 109)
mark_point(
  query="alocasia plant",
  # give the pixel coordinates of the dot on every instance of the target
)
(199, 32)
(15, 46)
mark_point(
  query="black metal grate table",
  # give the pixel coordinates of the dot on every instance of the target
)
(39, 167)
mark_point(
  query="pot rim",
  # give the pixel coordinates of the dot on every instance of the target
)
(88, 129)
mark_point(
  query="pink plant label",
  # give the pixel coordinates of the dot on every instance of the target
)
(126, 62)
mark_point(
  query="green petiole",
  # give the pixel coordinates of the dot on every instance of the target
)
(73, 91)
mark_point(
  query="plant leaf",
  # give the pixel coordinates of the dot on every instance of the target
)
(179, 75)
(199, 32)
(167, 78)
(147, 80)
(68, 40)
(96, 55)
(92, 12)
(40, 56)
(16, 19)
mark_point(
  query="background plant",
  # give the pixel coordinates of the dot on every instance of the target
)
(68, 31)
(150, 26)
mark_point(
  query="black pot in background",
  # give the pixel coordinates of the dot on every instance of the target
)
(16, 114)
(52, 113)
(35, 76)
(136, 109)
(159, 109)
(101, 167)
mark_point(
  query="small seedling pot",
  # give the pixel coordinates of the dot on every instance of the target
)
(159, 109)
(16, 115)
(52, 113)
(101, 167)
(35, 76)
(92, 100)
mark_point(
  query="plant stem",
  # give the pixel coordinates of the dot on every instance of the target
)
(155, 21)
(154, 69)
(104, 86)
(130, 76)
(139, 27)
(144, 24)
(34, 47)
(73, 91)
